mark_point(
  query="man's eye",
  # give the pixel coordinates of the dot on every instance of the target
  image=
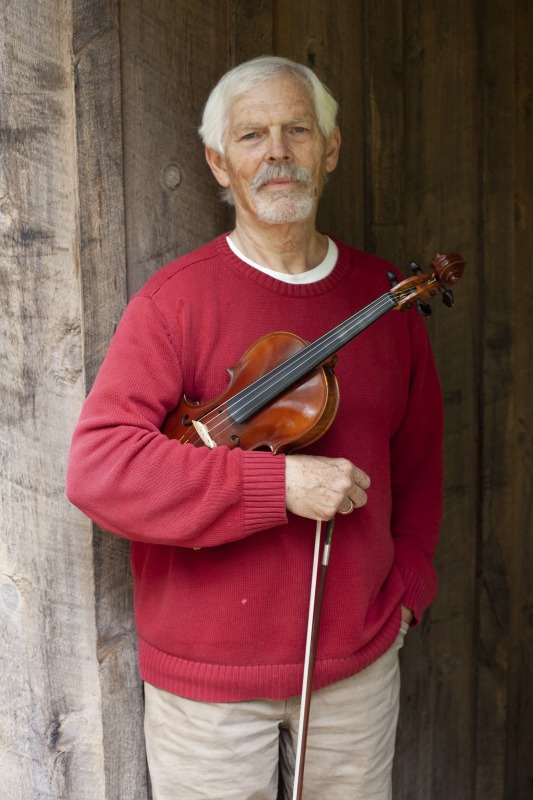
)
(299, 129)
(251, 135)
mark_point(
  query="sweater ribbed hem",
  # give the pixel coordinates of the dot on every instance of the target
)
(221, 683)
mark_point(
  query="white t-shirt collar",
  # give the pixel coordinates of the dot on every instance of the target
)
(318, 273)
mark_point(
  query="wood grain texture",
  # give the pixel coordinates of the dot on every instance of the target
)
(440, 201)
(96, 46)
(384, 130)
(50, 726)
(519, 727)
(172, 55)
(499, 335)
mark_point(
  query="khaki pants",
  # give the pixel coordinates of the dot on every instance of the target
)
(232, 751)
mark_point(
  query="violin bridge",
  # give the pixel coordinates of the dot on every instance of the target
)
(203, 433)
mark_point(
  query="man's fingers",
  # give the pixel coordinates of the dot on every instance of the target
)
(358, 497)
(360, 478)
(318, 487)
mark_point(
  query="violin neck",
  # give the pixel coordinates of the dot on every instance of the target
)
(252, 399)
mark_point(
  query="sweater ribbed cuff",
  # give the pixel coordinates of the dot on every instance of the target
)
(264, 491)
(417, 595)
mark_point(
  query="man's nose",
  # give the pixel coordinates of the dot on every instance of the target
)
(278, 149)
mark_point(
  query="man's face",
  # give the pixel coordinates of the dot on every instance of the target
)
(275, 156)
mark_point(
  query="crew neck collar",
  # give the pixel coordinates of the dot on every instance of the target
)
(318, 273)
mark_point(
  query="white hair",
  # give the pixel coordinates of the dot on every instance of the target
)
(247, 76)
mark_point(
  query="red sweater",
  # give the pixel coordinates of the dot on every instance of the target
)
(228, 621)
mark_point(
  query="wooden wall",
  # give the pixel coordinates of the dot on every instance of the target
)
(102, 180)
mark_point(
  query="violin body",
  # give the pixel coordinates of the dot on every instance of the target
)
(294, 419)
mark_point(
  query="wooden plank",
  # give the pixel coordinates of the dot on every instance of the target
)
(172, 54)
(497, 414)
(251, 30)
(384, 130)
(96, 50)
(103, 278)
(51, 730)
(329, 39)
(435, 757)
(519, 729)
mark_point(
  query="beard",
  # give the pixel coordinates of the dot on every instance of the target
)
(284, 206)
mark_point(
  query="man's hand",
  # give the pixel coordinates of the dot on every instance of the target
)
(407, 615)
(317, 487)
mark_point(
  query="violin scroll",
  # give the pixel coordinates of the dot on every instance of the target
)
(447, 269)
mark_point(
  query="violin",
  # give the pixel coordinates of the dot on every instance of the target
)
(283, 394)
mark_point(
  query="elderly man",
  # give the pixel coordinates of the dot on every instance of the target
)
(222, 539)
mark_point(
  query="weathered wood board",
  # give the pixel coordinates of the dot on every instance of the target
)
(440, 192)
(98, 96)
(51, 715)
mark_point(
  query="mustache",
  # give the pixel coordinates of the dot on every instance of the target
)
(285, 171)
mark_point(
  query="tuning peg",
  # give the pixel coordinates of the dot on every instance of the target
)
(424, 308)
(416, 268)
(393, 280)
(447, 296)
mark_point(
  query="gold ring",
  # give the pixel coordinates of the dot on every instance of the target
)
(349, 510)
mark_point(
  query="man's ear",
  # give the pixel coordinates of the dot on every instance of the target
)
(218, 166)
(332, 149)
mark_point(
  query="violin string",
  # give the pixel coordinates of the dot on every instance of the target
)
(302, 361)
(187, 436)
(298, 361)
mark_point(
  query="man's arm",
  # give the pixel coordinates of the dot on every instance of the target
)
(416, 476)
(133, 481)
